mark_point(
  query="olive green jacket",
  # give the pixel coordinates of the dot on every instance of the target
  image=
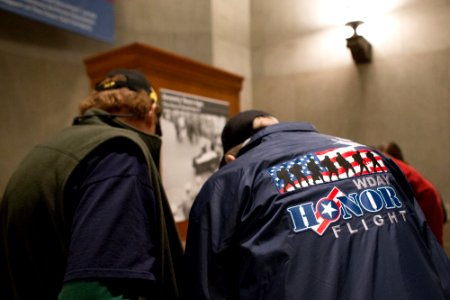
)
(34, 218)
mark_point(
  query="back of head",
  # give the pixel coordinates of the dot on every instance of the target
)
(394, 150)
(122, 91)
(242, 126)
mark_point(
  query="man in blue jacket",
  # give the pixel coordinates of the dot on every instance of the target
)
(257, 231)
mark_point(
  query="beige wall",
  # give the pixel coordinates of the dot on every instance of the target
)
(231, 42)
(42, 75)
(182, 27)
(302, 70)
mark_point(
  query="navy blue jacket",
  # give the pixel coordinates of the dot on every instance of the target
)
(302, 215)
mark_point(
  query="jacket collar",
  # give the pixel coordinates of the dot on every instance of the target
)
(259, 136)
(96, 116)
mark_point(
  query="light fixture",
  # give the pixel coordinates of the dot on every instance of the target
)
(360, 48)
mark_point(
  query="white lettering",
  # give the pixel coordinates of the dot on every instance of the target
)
(371, 181)
(380, 181)
(360, 183)
(378, 220)
(386, 178)
(392, 217)
(336, 229)
(364, 224)
(351, 230)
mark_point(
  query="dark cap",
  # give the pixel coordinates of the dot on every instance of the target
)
(239, 128)
(135, 81)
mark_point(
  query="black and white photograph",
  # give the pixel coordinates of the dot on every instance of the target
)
(191, 149)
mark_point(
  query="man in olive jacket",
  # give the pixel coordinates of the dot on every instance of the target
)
(85, 215)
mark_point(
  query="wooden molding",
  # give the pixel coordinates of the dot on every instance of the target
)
(168, 70)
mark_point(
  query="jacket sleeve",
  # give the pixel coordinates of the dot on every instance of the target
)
(87, 290)
(439, 258)
(428, 198)
(211, 247)
(113, 231)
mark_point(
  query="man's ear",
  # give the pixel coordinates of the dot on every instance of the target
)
(229, 158)
(264, 121)
(151, 119)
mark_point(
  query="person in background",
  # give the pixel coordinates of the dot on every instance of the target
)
(256, 231)
(85, 215)
(426, 194)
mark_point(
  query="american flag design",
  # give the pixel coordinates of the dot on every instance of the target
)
(324, 167)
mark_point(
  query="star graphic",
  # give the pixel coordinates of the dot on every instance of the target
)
(327, 209)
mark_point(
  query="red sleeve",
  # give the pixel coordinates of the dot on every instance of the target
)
(427, 197)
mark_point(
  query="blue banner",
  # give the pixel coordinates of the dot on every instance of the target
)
(94, 18)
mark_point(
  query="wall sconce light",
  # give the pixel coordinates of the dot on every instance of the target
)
(360, 48)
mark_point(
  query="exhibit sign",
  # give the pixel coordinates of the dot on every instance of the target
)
(93, 18)
(191, 126)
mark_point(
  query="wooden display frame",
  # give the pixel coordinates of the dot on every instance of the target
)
(168, 70)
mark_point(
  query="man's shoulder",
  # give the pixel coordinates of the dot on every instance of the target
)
(78, 141)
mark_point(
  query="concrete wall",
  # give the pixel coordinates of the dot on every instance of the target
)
(183, 27)
(231, 42)
(302, 70)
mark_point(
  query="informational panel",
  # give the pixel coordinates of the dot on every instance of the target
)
(93, 18)
(191, 148)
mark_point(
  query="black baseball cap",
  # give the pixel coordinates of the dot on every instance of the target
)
(135, 81)
(239, 128)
